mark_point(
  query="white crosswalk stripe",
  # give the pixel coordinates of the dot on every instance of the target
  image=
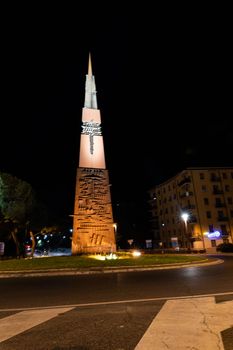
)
(187, 323)
(22, 321)
(193, 323)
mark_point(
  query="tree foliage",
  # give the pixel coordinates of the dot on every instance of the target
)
(22, 215)
(17, 199)
(17, 203)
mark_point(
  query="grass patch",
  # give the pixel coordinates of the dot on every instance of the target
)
(76, 262)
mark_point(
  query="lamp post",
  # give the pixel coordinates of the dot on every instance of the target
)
(185, 217)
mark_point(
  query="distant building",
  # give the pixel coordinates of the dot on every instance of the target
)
(93, 227)
(193, 209)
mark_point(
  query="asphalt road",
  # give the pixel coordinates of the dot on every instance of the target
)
(106, 311)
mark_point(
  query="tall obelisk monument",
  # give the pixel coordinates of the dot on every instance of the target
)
(93, 228)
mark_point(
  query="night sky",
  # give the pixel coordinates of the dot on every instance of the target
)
(164, 88)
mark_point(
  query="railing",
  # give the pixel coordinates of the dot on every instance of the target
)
(184, 181)
(187, 207)
(222, 218)
(220, 205)
(186, 194)
(217, 192)
(192, 219)
(225, 234)
(215, 179)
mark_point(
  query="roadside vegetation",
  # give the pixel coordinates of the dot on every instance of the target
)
(24, 219)
(76, 262)
(225, 248)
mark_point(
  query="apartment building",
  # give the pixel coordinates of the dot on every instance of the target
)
(194, 209)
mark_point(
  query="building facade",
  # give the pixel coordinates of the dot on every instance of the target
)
(93, 227)
(194, 209)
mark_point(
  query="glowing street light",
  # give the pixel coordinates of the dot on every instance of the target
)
(185, 217)
(115, 227)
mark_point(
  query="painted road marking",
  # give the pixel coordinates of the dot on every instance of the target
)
(120, 302)
(20, 322)
(193, 323)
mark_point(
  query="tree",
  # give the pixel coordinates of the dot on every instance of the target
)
(17, 202)
(17, 198)
(22, 214)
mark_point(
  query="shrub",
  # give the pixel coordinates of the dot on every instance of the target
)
(225, 247)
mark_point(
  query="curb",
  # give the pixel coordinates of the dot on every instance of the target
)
(98, 270)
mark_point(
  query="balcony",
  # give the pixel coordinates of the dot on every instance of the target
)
(215, 179)
(188, 207)
(186, 180)
(217, 191)
(220, 205)
(222, 218)
(186, 194)
(225, 234)
(192, 220)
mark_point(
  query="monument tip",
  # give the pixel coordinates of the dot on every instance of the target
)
(89, 65)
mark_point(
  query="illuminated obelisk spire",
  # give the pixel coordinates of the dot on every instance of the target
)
(93, 229)
(91, 145)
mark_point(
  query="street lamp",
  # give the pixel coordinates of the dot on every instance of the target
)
(185, 217)
(115, 227)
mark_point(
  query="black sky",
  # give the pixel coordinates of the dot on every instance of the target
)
(164, 88)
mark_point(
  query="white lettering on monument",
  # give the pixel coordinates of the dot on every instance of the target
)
(92, 129)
